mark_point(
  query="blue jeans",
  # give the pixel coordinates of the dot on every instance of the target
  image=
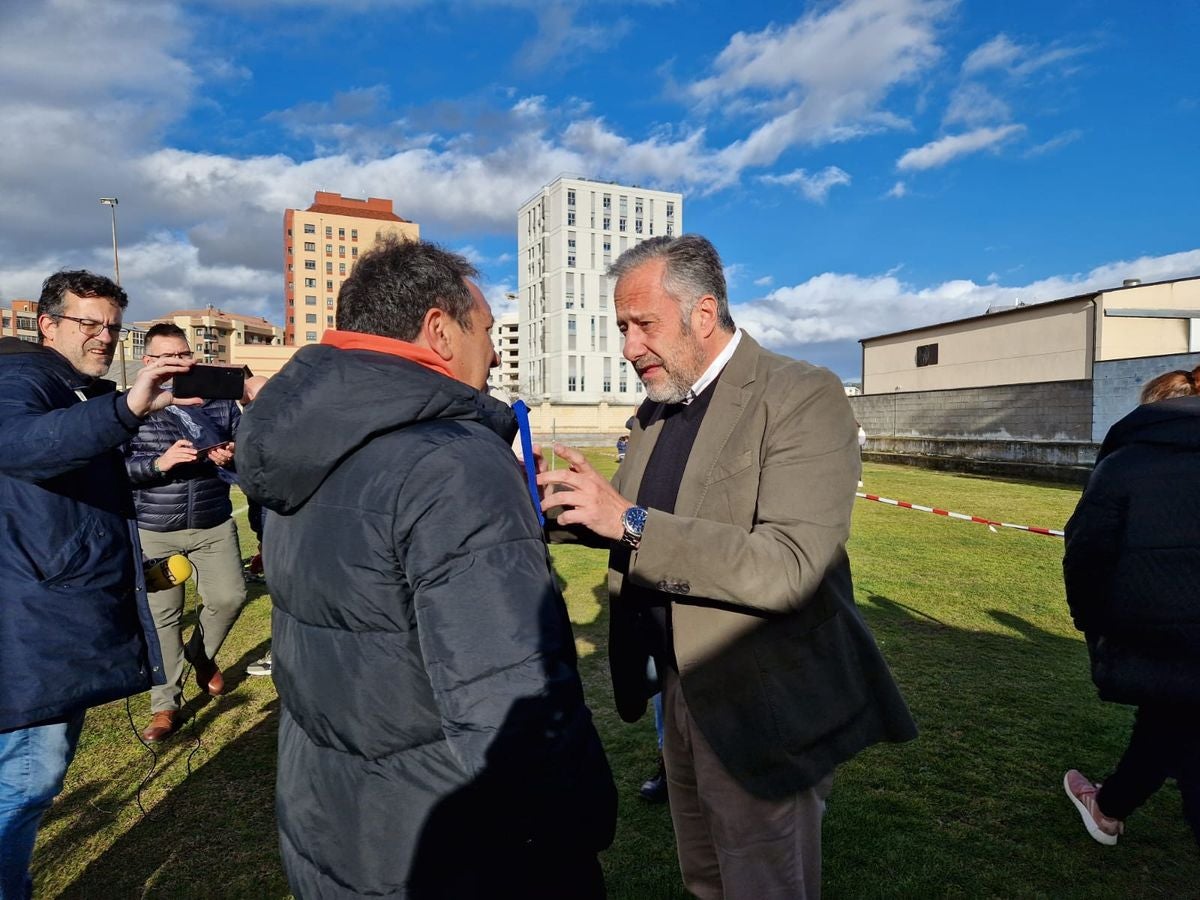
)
(33, 763)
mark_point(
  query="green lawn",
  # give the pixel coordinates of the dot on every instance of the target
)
(972, 622)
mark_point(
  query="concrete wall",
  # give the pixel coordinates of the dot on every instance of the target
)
(1052, 411)
(567, 419)
(1028, 345)
(1117, 383)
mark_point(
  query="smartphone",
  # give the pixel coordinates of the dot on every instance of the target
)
(211, 382)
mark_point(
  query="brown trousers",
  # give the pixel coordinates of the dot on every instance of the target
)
(733, 845)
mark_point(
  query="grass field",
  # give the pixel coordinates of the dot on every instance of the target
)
(972, 622)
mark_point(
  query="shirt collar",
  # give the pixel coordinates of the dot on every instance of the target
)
(714, 369)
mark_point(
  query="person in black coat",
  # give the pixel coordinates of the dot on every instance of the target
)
(433, 736)
(1132, 570)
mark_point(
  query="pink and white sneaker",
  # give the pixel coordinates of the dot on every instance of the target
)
(1083, 794)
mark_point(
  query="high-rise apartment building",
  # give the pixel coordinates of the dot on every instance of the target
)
(320, 246)
(505, 340)
(567, 235)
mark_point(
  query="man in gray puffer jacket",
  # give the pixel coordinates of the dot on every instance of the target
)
(179, 464)
(433, 736)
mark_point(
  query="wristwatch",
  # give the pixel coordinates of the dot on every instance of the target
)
(634, 521)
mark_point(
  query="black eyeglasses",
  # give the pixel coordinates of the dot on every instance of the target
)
(92, 328)
(186, 354)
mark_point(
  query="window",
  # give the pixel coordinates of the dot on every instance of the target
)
(570, 198)
(310, 335)
(310, 228)
(621, 224)
(310, 282)
(328, 231)
(310, 247)
(570, 332)
(329, 303)
(341, 268)
(607, 202)
(927, 355)
(310, 319)
(329, 249)
(328, 286)
(291, 320)
(637, 226)
(329, 321)
(354, 253)
(637, 206)
(342, 250)
(571, 217)
(593, 343)
(328, 268)
(310, 264)
(354, 235)
(571, 260)
(623, 373)
(607, 224)
(571, 243)
(310, 299)
(670, 210)
(604, 340)
(607, 388)
(670, 229)
(341, 234)
(572, 380)
(27, 323)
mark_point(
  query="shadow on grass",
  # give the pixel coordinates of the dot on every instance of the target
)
(222, 811)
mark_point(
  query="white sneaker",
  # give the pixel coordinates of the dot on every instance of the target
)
(1082, 792)
(260, 667)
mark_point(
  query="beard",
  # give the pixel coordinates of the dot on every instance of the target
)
(678, 371)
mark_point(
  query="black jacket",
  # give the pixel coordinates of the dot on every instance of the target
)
(433, 727)
(1132, 564)
(191, 495)
(75, 627)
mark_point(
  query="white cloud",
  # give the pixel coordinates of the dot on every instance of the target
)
(823, 78)
(815, 187)
(973, 104)
(837, 306)
(939, 152)
(765, 281)
(1017, 60)
(898, 190)
(1058, 141)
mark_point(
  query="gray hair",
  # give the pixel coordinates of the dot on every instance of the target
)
(693, 269)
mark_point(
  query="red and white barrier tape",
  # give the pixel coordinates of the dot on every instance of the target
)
(990, 523)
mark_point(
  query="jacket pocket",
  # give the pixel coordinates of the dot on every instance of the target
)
(813, 683)
(79, 558)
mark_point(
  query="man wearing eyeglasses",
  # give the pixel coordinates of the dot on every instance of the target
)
(181, 484)
(75, 627)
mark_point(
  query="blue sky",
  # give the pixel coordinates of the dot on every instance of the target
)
(863, 166)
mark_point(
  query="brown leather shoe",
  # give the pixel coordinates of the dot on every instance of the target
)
(208, 677)
(163, 724)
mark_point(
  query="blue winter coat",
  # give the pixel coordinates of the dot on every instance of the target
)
(75, 627)
(192, 495)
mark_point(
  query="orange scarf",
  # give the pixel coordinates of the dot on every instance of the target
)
(354, 340)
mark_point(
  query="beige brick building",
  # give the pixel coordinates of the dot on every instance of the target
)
(19, 319)
(320, 246)
(214, 333)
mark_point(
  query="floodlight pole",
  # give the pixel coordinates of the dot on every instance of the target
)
(111, 203)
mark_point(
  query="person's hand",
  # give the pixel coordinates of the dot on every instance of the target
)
(585, 495)
(179, 452)
(146, 394)
(222, 454)
(253, 385)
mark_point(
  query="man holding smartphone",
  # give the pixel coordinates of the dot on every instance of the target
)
(75, 628)
(179, 462)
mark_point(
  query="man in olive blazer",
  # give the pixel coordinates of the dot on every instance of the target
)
(771, 677)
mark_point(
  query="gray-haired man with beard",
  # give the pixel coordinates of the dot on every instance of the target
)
(727, 524)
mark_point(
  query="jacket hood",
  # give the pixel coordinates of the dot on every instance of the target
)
(328, 402)
(1168, 422)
